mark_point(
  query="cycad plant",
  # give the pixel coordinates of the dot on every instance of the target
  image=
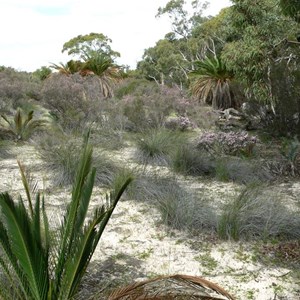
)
(211, 83)
(103, 67)
(71, 67)
(22, 125)
(40, 263)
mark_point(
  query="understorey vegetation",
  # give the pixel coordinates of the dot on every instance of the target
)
(227, 114)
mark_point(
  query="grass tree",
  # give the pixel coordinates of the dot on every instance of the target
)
(211, 83)
(37, 263)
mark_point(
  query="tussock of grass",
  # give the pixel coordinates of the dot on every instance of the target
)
(60, 154)
(189, 161)
(255, 214)
(178, 208)
(156, 146)
(240, 171)
(106, 137)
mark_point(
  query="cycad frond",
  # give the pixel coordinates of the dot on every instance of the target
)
(86, 243)
(22, 126)
(24, 245)
(9, 263)
(18, 122)
(211, 83)
(103, 67)
(61, 68)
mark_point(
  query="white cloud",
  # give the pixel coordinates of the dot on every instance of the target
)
(34, 31)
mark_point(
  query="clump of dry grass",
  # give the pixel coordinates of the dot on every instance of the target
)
(60, 154)
(259, 213)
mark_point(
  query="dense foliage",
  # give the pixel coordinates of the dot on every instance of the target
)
(216, 100)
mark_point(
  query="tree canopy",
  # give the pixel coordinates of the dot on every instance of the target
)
(89, 44)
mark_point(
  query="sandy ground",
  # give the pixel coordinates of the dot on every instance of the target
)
(136, 246)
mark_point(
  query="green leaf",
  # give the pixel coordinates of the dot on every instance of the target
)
(18, 228)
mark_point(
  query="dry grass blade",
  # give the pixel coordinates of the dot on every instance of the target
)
(172, 287)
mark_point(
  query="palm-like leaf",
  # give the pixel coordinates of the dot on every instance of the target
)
(211, 83)
(26, 250)
(107, 72)
(22, 126)
(71, 67)
(46, 269)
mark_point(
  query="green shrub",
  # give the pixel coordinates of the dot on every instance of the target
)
(129, 86)
(42, 73)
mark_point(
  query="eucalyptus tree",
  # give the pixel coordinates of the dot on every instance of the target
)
(161, 63)
(261, 48)
(172, 58)
(291, 8)
(94, 57)
(182, 20)
(90, 44)
(256, 39)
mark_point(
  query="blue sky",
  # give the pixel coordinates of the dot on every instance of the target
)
(33, 31)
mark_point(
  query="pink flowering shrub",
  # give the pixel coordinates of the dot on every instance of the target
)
(232, 143)
(181, 123)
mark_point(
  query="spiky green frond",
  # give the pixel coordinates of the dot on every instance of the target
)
(81, 192)
(211, 83)
(25, 245)
(9, 264)
(26, 187)
(22, 126)
(103, 67)
(18, 121)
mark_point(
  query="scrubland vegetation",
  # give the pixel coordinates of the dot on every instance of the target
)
(227, 121)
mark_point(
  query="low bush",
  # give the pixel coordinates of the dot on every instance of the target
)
(147, 105)
(231, 143)
(16, 89)
(72, 101)
(181, 123)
